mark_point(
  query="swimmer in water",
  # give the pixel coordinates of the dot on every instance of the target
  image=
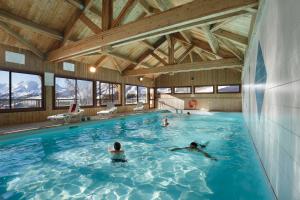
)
(188, 113)
(165, 122)
(194, 147)
(118, 155)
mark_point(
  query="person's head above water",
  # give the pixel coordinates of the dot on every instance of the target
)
(188, 113)
(117, 146)
(193, 145)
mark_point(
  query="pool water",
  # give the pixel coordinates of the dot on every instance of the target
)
(72, 162)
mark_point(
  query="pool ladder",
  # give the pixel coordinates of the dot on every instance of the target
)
(170, 107)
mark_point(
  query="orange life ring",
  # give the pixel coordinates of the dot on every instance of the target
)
(192, 103)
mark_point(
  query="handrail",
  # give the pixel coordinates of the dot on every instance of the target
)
(177, 109)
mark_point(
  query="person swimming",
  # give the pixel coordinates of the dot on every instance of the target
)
(188, 113)
(118, 155)
(165, 122)
(194, 147)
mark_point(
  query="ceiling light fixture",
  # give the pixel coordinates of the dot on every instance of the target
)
(93, 69)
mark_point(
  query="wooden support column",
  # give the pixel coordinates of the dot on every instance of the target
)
(171, 44)
(107, 14)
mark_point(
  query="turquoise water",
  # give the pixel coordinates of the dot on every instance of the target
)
(73, 162)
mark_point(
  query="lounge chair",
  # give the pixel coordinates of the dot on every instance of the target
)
(139, 106)
(73, 113)
(110, 108)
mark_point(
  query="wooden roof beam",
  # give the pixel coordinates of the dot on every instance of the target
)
(107, 14)
(232, 37)
(159, 58)
(146, 53)
(71, 24)
(185, 54)
(124, 58)
(232, 48)
(212, 40)
(124, 12)
(91, 25)
(189, 15)
(27, 24)
(222, 53)
(78, 4)
(100, 60)
(187, 67)
(22, 40)
(147, 8)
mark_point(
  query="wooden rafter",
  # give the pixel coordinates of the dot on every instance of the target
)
(159, 58)
(25, 23)
(212, 40)
(147, 8)
(185, 54)
(71, 24)
(222, 53)
(116, 64)
(100, 60)
(232, 37)
(22, 40)
(107, 14)
(171, 50)
(124, 12)
(146, 53)
(81, 6)
(91, 25)
(187, 67)
(232, 48)
(188, 15)
(124, 58)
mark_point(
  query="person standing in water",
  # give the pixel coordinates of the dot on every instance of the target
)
(194, 147)
(118, 155)
(165, 122)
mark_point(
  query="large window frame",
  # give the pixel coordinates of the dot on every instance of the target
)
(163, 88)
(239, 91)
(110, 91)
(204, 92)
(137, 96)
(42, 100)
(55, 107)
(174, 89)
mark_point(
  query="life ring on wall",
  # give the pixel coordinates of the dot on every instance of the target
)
(192, 103)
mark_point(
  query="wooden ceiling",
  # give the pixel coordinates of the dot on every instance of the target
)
(134, 37)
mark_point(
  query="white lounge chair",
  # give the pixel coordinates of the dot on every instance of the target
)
(110, 108)
(74, 112)
(139, 106)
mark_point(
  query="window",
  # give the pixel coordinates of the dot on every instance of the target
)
(142, 94)
(4, 90)
(20, 90)
(182, 90)
(164, 90)
(108, 92)
(69, 90)
(85, 92)
(14, 57)
(64, 91)
(135, 94)
(204, 89)
(68, 66)
(229, 88)
(131, 94)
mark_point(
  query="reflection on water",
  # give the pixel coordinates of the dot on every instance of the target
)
(64, 163)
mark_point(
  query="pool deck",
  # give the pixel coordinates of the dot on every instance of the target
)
(50, 124)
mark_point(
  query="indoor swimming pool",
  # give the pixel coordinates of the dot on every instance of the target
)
(72, 162)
